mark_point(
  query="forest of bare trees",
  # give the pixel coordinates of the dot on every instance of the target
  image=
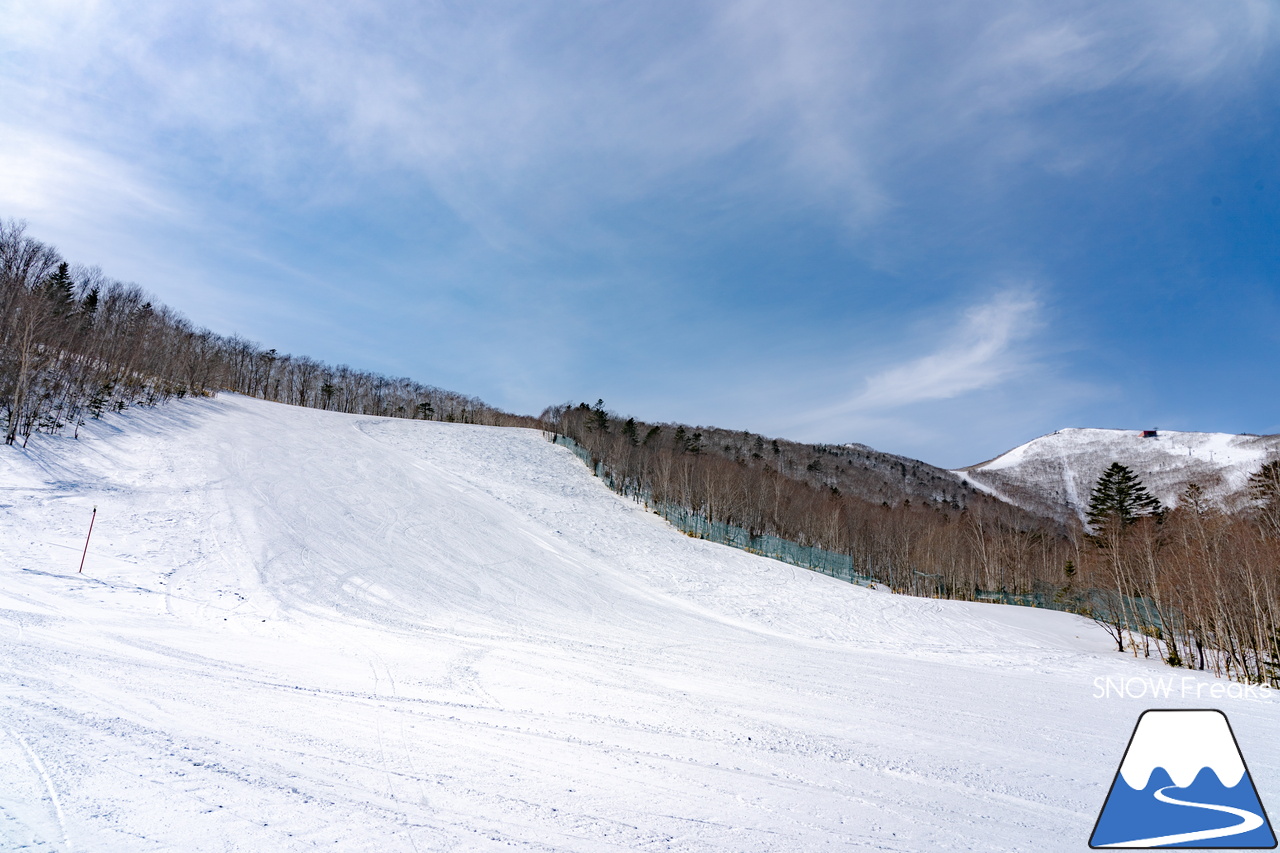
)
(1196, 586)
(955, 544)
(74, 343)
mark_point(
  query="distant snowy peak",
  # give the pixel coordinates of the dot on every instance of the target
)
(1055, 473)
(1213, 448)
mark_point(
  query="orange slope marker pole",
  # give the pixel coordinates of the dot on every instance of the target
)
(86, 540)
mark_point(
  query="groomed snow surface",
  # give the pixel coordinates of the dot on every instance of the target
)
(300, 630)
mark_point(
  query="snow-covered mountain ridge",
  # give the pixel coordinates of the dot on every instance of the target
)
(1054, 474)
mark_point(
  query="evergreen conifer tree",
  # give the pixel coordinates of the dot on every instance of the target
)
(60, 289)
(599, 417)
(89, 307)
(1120, 498)
(1264, 488)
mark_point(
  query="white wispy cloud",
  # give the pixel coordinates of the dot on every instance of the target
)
(947, 380)
(981, 352)
(59, 181)
(523, 117)
(985, 347)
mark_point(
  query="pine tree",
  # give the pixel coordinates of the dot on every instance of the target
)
(599, 417)
(60, 289)
(98, 403)
(1264, 488)
(89, 308)
(1120, 498)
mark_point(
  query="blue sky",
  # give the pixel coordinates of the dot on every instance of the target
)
(937, 230)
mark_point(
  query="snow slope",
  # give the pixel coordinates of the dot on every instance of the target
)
(299, 630)
(1055, 473)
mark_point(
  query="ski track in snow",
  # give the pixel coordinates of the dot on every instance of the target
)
(301, 630)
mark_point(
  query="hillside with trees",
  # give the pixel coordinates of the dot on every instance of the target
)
(915, 528)
(1197, 585)
(75, 343)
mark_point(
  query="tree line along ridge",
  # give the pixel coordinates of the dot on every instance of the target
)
(75, 343)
